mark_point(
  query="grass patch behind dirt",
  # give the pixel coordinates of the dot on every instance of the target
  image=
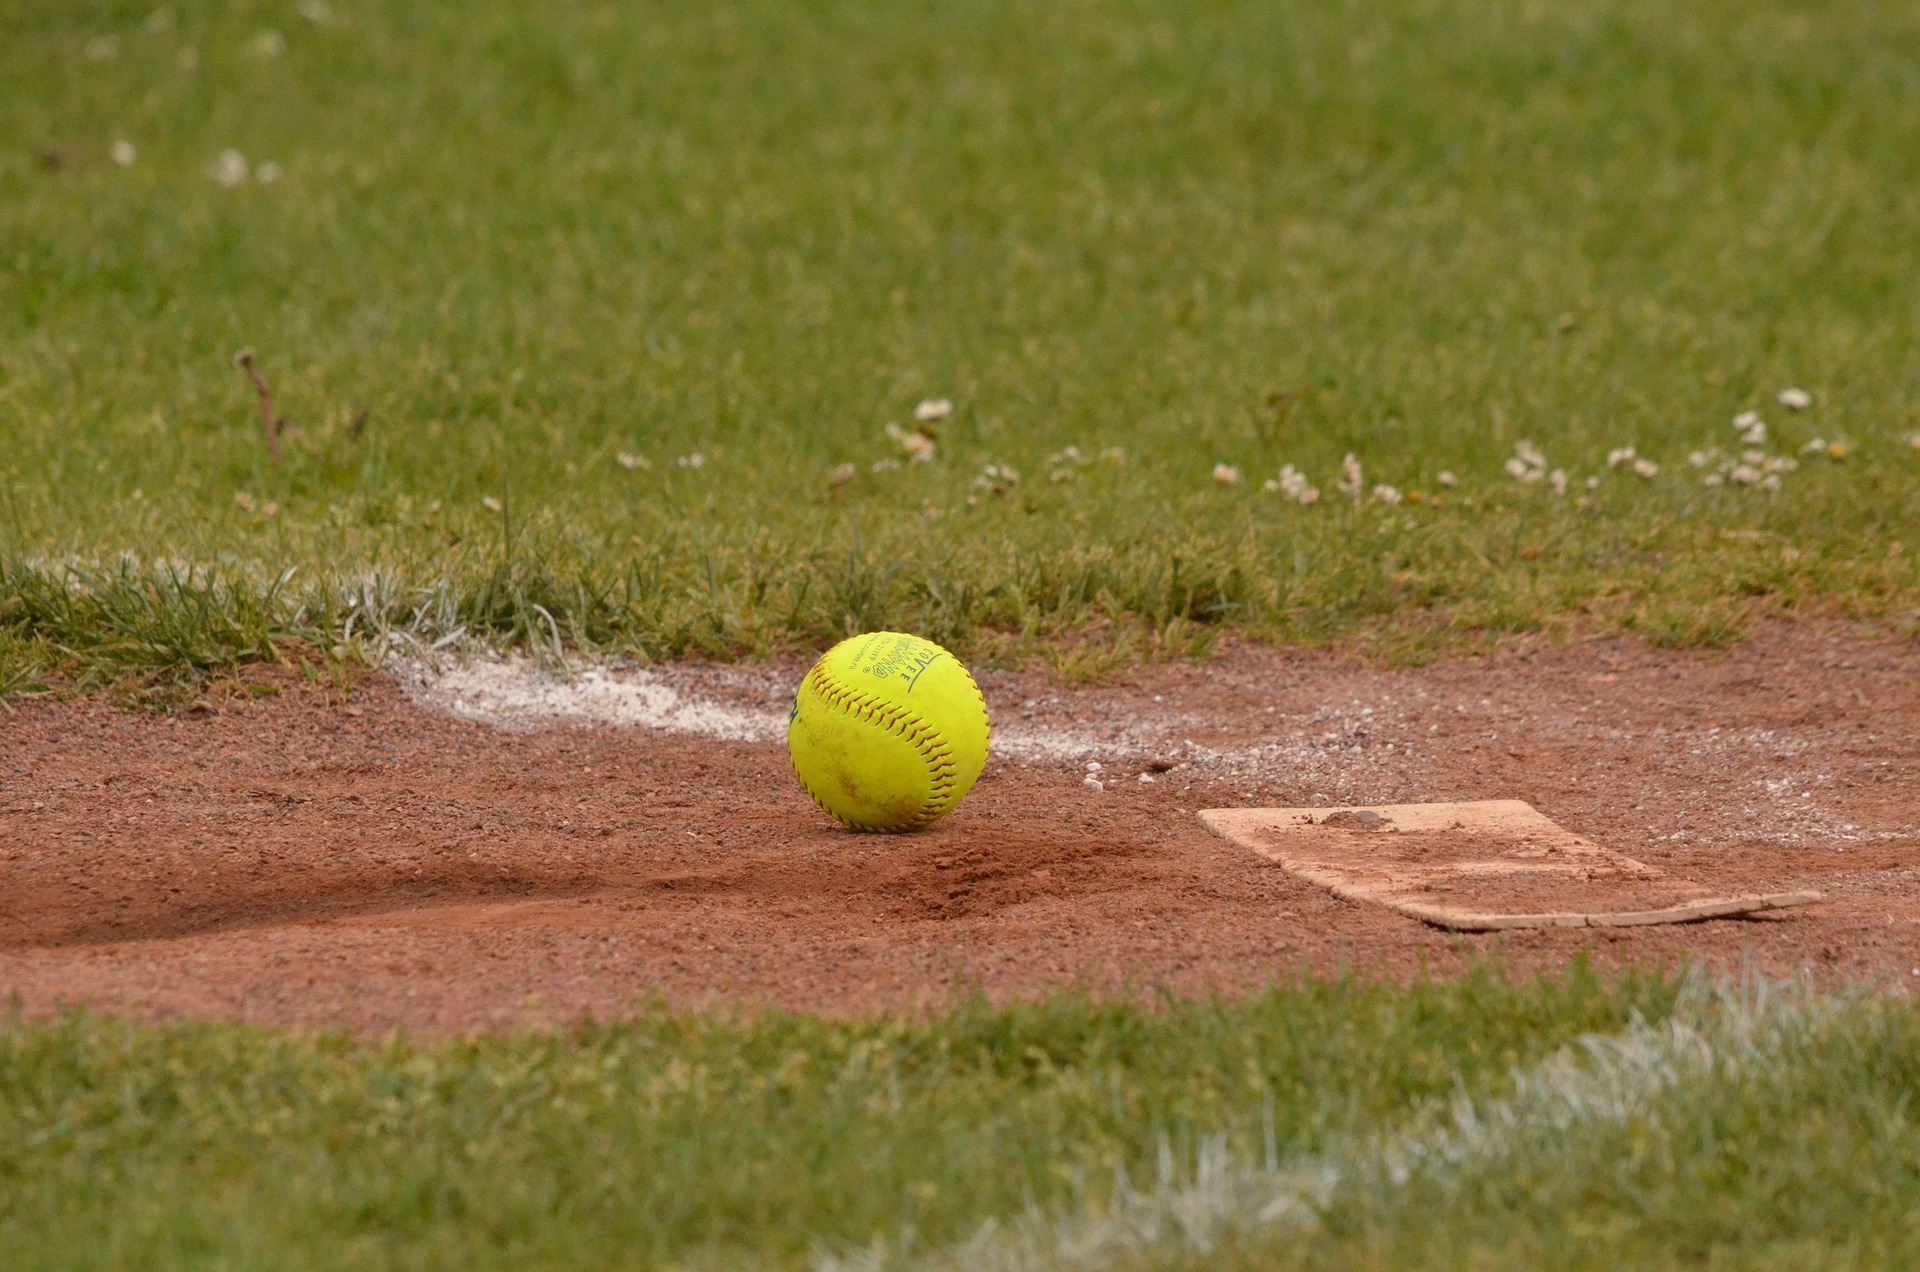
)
(712, 1139)
(590, 321)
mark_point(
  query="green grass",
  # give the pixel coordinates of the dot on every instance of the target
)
(508, 245)
(711, 1139)
(1578, 1122)
(1749, 1128)
(521, 263)
(1796, 1148)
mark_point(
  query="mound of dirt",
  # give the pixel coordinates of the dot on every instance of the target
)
(390, 864)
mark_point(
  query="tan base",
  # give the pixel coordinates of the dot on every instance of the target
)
(1476, 867)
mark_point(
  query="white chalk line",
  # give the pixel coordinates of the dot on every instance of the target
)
(1366, 750)
(517, 695)
(1716, 1035)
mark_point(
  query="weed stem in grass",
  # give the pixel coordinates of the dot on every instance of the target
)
(270, 423)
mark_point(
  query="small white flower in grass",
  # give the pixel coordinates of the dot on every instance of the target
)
(1744, 475)
(997, 478)
(1292, 483)
(1699, 459)
(316, 12)
(1387, 494)
(230, 169)
(1646, 468)
(933, 409)
(1527, 464)
(1558, 480)
(1770, 482)
(1753, 457)
(1796, 399)
(123, 153)
(1621, 455)
(490, 503)
(1753, 430)
(841, 475)
(1062, 464)
(267, 173)
(884, 465)
(917, 447)
(1226, 474)
(1713, 479)
(1447, 479)
(1817, 444)
(267, 44)
(1593, 483)
(1352, 481)
(695, 460)
(630, 461)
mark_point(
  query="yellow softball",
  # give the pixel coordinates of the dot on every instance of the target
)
(888, 732)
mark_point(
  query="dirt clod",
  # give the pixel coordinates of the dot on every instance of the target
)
(1356, 819)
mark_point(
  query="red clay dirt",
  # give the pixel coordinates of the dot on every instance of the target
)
(380, 865)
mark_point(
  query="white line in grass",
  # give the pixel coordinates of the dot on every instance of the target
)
(1716, 1035)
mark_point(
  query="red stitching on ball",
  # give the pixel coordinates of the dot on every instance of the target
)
(918, 732)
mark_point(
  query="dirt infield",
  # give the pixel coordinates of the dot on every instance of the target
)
(387, 863)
